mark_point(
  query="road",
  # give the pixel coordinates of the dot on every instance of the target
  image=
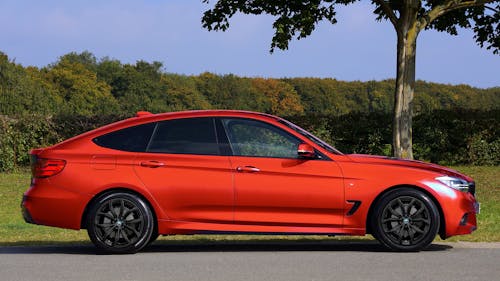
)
(338, 260)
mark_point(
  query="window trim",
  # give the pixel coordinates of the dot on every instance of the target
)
(151, 137)
(222, 138)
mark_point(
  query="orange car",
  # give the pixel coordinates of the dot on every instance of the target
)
(223, 171)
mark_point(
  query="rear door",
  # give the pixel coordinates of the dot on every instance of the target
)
(184, 170)
(273, 186)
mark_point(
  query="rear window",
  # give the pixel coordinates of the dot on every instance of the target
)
(185, 136)
(133, 139)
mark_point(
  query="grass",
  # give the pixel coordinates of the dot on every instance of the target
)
(14, 231)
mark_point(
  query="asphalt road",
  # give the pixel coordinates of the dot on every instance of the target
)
(254, 261)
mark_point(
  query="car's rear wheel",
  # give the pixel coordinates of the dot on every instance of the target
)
(405, 219)
(120, 223)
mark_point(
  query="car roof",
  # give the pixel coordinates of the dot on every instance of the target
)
(209, 112)
(143, 117)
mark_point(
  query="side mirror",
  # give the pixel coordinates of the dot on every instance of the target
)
(306, 151)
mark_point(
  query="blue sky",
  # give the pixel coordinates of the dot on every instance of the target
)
(356, 48)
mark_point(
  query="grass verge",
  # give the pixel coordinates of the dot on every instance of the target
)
(14, 231)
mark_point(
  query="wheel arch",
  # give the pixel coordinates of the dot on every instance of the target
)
(442, 224)
(83, 220)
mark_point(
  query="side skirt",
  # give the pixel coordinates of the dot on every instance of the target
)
(166, 227)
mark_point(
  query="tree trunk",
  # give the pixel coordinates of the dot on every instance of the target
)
(403, 99)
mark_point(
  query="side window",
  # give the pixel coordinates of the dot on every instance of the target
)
(133, 139)
(185, 136)
(255, 138)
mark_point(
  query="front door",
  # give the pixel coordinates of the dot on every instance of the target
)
(273, 186)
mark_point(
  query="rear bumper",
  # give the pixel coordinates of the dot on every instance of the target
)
(26, 214)
(45, 204)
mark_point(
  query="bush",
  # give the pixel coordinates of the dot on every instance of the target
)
(482, 150)
(351, 133)
(21, 134)
(443, 136)
(447, 136)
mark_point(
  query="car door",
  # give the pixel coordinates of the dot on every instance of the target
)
(185, 171)
(273, 185)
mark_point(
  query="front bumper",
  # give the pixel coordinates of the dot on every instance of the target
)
(458, 208)
(477, 207)
(463, 219)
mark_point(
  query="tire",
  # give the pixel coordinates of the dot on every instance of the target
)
(405, 219)
(120, 223)
(153, 238)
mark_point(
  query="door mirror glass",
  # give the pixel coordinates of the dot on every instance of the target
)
(305, 150)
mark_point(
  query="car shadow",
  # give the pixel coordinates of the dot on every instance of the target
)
(216, 246)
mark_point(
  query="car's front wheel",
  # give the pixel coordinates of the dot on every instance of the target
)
(120, 223)
(405, 219)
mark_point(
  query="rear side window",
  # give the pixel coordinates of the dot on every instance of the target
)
(185, 136)
(133, 139)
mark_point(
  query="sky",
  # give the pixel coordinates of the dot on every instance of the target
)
(170, 31)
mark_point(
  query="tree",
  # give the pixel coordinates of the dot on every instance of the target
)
(231, 92)
(298, 18)
(282, 97)
(79, 89)
(183, 93)
(22, 90)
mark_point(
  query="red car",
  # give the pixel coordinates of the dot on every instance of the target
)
(237, 172)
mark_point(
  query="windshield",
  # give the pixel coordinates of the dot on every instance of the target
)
(310, 136)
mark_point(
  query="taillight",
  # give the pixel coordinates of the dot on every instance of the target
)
(44, 168)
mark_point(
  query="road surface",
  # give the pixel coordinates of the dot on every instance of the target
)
(338, 260)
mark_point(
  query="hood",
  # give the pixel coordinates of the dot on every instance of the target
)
(384, 160)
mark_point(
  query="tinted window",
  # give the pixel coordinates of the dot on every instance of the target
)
(133, 139)
(185, 136)
(255, 138)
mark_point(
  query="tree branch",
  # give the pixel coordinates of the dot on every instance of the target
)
(388, 11)
(449, 6)
(491, 9)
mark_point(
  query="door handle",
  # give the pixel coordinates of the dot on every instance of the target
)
(152, 164)
(247, 169)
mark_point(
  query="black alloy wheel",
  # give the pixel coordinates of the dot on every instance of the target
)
(120, 223)
(405, 220)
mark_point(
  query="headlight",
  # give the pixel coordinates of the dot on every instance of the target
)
(455, 183)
